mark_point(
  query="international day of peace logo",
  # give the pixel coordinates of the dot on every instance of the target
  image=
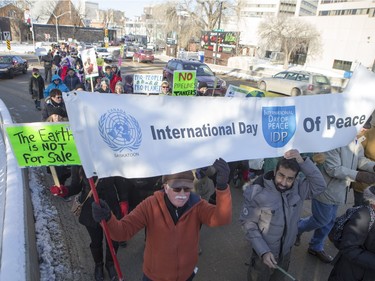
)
(120, 131)
(278, 124)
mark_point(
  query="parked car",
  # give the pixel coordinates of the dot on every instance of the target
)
(296, 83)
(129, 52)
(144, 55)
(10, 65)
(102, 52)
(204, 74)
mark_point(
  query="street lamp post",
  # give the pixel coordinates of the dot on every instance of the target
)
(57, 29)
(217, 32)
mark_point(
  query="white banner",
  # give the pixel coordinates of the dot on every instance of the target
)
(142, 136)
(147, 83)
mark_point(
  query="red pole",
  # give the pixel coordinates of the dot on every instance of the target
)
(106, 232)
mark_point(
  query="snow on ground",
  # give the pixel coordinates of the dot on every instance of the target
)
(53, 255)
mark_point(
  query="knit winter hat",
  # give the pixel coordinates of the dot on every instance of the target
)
(35, 70)
(183, 179)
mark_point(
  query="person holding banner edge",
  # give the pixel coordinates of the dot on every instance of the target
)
(173, 217)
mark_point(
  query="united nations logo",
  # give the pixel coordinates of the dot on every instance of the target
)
(278, 124)
(120, 131)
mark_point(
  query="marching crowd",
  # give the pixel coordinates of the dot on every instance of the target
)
(272, 205)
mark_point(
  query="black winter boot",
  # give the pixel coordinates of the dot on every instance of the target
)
(111, 271)
(99, 274)
(97, 254)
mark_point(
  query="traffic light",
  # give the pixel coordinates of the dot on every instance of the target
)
(8, 45)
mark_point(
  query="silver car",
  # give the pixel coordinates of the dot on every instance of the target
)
(296, 83)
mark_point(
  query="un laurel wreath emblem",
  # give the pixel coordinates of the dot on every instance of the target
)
(120, 131)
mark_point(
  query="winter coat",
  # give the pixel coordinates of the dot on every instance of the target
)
(356, 260)
(112, 84)
(63, 71)
(36, 87)
(128, 88)
(52, 107)
(56, 60)
(71, 81)
(61, 86)
(369, 151)
(112, 190)
(100, 90)
(47, 61)
(340, 168)
(269, 217)
(171, 251)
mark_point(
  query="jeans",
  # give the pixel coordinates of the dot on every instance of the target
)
(322, 220)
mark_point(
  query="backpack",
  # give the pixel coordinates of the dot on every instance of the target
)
(335, 235)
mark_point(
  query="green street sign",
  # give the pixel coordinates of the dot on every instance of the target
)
(218, 30)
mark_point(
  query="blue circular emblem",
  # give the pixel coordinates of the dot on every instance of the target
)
(120, 131)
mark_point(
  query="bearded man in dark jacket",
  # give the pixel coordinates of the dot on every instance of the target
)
(271, 210)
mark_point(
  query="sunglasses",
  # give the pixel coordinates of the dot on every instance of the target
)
(165, 87)
(58, 97)
(178, 189)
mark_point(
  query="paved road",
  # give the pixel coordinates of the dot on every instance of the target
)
(225, 252)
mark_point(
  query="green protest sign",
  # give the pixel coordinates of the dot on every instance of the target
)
(43, 144)
(184, 83)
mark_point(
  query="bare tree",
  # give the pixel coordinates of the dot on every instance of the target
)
(288, 34)
(189, 18)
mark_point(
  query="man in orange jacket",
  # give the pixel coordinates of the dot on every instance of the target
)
(173, 218)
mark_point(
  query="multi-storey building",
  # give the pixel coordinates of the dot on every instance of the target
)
(346, 7)
(347, 29)
(271, 8)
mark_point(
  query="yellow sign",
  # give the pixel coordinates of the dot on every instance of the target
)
(8, 45)
(43, 144)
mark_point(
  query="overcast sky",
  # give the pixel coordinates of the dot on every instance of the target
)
(131, 7)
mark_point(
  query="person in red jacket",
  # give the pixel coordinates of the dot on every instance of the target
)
(113, 74)
(173, 218)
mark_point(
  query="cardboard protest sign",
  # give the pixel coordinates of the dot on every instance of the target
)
(147, 83)
(184, 83)
(43, 144)
(234, 91)
(90, 65)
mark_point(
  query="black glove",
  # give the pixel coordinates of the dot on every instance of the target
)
(365, 177)
(222, 173)
(102, 212)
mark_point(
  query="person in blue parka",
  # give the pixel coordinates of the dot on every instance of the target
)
(56, 83)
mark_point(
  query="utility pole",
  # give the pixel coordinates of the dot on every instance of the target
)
(217, 33)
